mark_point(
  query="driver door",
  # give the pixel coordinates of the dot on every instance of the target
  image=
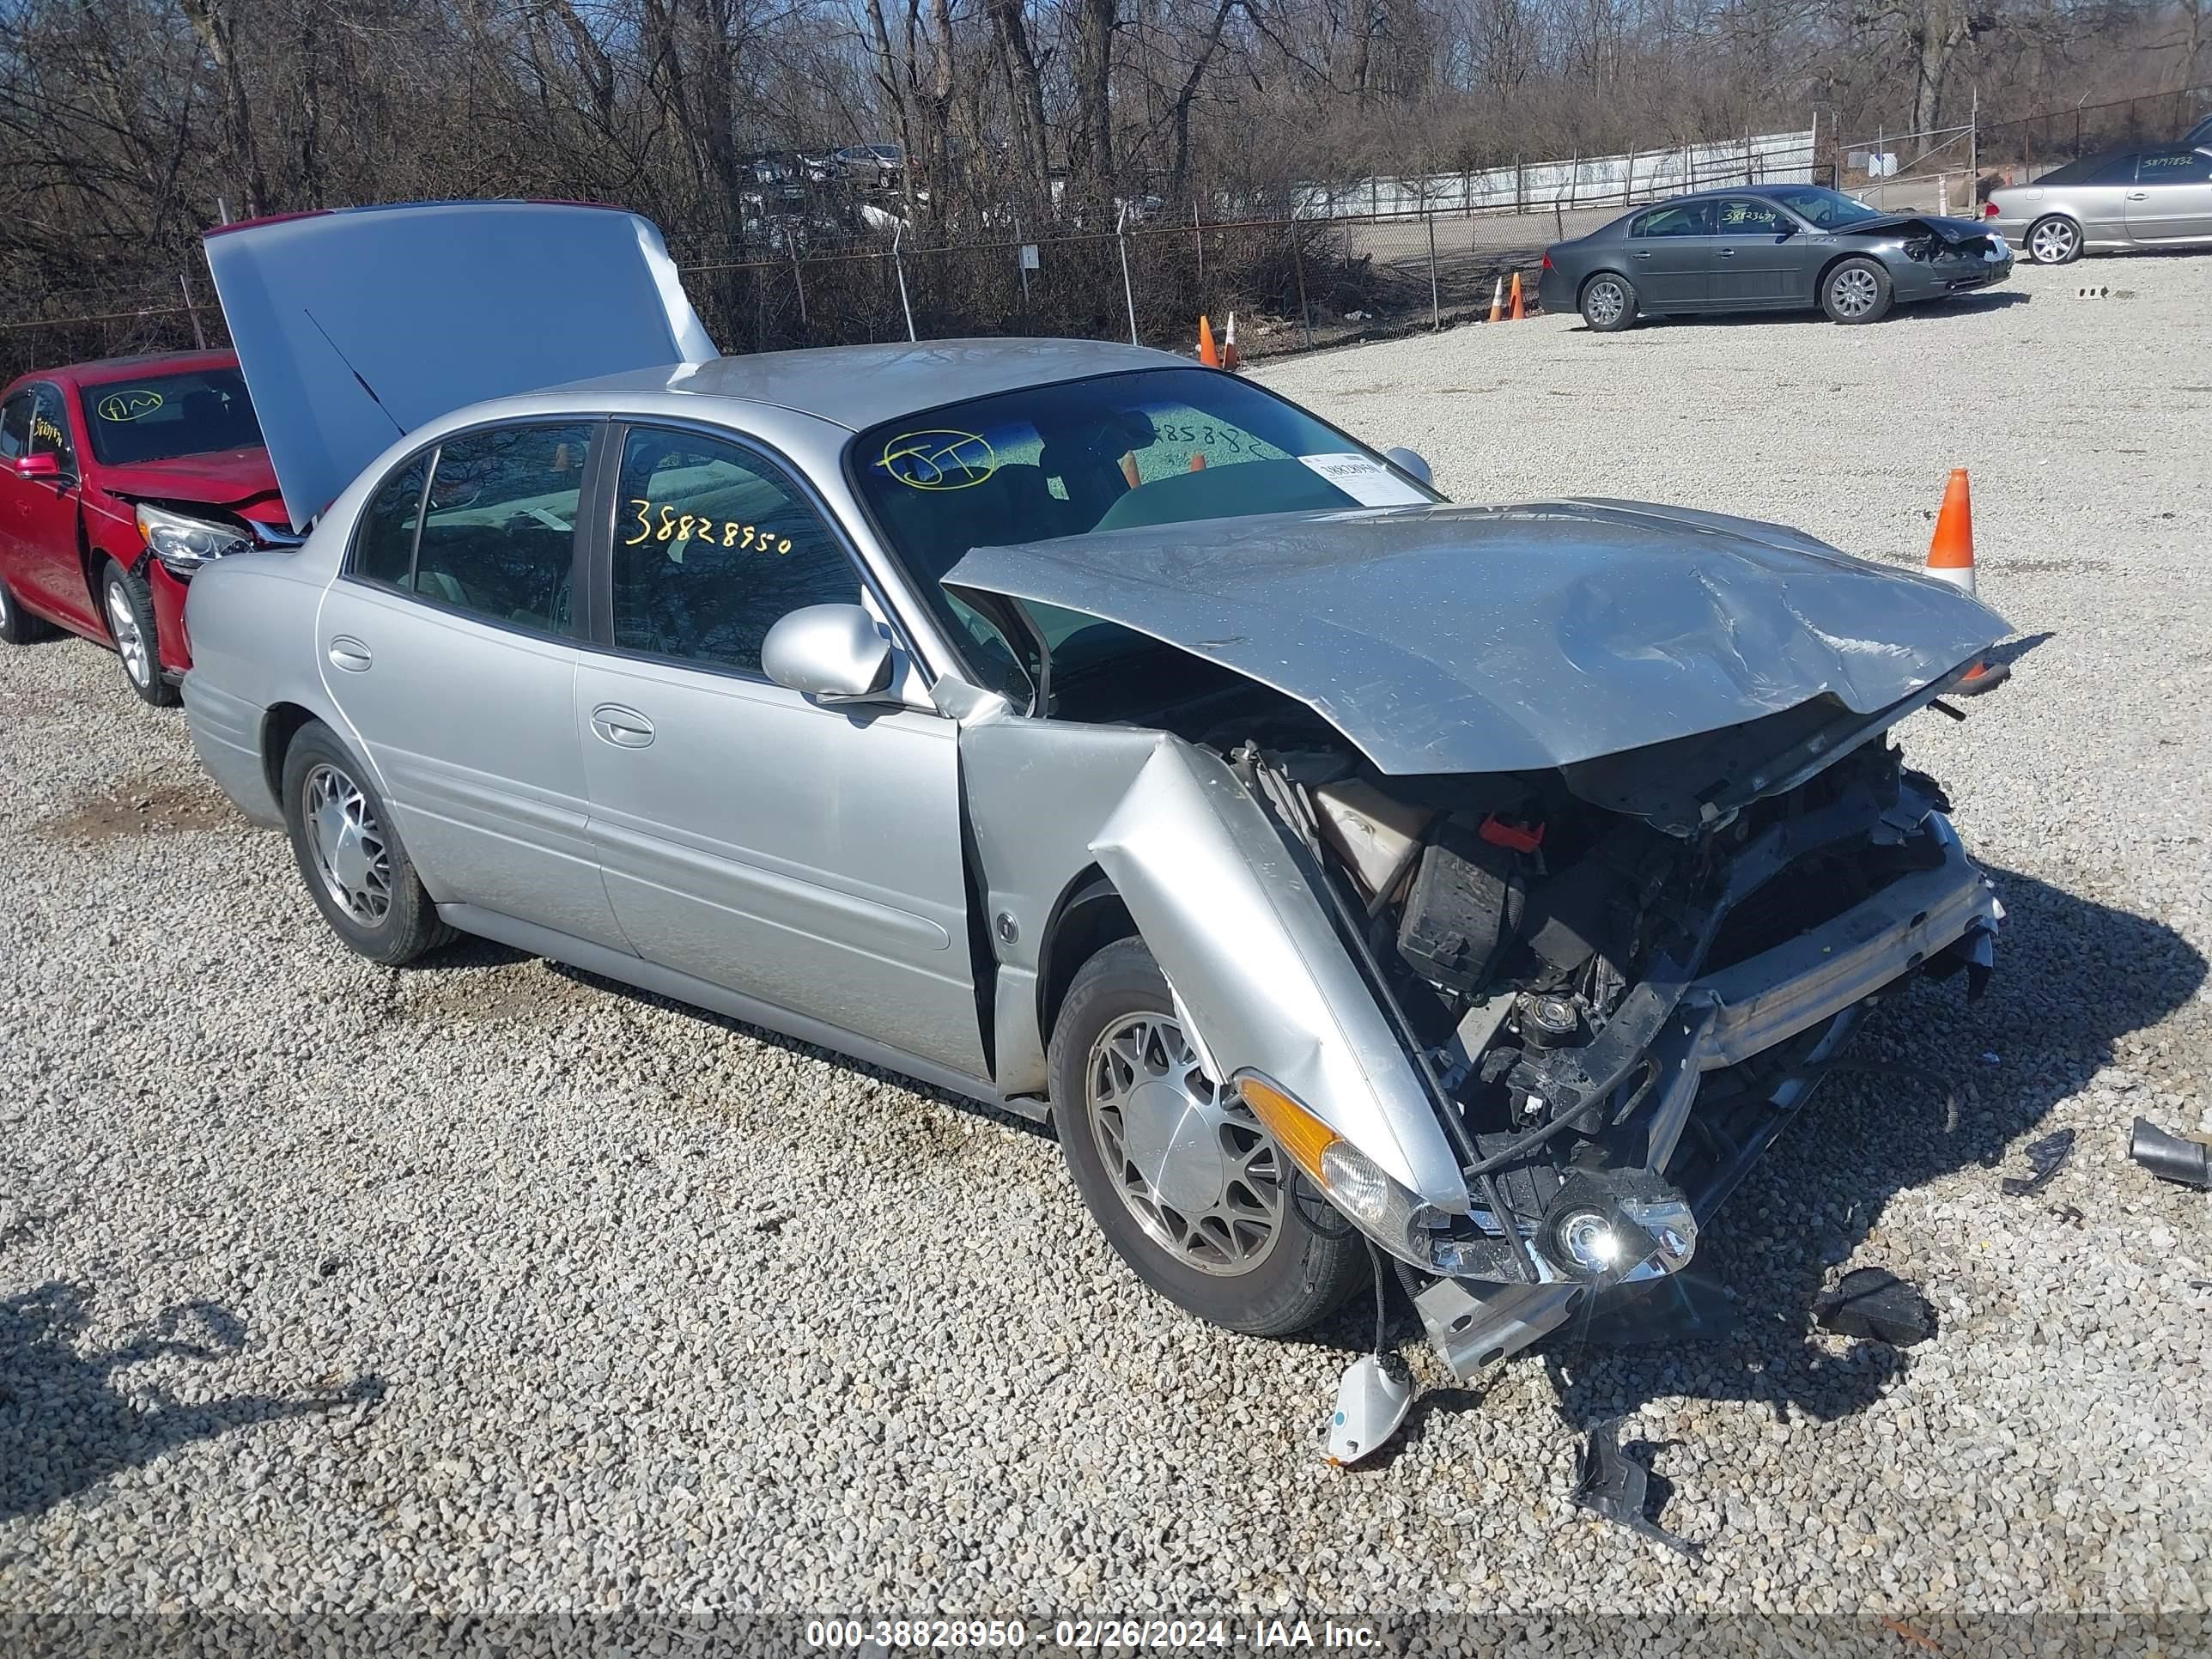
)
(448, 645)
(1671, 256)
(804, 855)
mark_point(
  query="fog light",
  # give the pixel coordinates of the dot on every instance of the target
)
(1589, 1241)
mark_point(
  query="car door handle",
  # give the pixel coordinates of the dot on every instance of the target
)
(1727, 252)
(1644, 253)
(350, 654)
(2138, 196)
(625, 728)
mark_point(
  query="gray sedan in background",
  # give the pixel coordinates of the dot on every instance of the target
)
(1766, 247)
(2155, 197)
(1095, 735)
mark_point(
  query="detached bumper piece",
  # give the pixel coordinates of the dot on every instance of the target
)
(1698, 1080)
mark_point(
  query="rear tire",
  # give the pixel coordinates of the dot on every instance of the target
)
(1607, 303)
(127, 607)
(2054, 240)
(1188, 1188)
(17, 625)
(349, 855)
(1857, 290)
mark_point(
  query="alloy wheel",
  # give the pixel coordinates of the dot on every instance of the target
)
(129, 639)
(1855, 291)
(2052, 242)
(352, 855)
(1605, 300)
(1189, 1161)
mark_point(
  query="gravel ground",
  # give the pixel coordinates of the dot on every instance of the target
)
(487, 1285)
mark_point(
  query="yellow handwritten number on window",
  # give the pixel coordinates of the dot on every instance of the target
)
(691, 526)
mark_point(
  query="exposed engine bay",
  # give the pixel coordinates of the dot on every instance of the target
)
(1614, 1021)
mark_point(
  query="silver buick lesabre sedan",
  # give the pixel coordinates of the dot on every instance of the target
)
(1091, 734)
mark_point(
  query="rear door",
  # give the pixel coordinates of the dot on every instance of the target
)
(1753, 263)
(1670, 257)
(2171, 201)
(806, 855)
(449, 644)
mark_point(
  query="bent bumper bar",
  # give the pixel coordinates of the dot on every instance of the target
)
(1724, 1019)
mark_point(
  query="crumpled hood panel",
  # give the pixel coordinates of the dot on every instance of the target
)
(1483, 639)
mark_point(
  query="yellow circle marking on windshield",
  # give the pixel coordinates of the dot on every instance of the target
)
(127, 405)
(939, 460)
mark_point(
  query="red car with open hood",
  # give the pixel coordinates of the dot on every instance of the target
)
(118, 480)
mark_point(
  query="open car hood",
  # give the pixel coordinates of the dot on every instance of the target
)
(353, 328)
(1493, 639)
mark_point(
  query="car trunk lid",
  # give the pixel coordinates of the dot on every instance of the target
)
(353, 328)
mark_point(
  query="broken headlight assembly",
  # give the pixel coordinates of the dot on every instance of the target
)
(184, 545)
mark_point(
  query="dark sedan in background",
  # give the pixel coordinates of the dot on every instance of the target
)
(1766, 247)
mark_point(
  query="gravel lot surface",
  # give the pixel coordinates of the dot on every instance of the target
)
(489, 1286)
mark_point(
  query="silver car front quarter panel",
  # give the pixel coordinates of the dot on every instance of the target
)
(1246, 944)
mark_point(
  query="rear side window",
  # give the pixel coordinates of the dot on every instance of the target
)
(499, 525)
(713, 546)
(2120, 171)
(1685, 219)
(384, 549)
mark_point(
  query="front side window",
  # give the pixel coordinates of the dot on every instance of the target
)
(49, 425)
(2175, 166)
(1747, 216)
(713, 545)
(159, 417)
(15, 427)
(499, 524)
(1685, 219)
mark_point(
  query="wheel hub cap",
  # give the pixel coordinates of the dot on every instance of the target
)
(1605, 302)
(349, 845)
(1190, 1163)
(128, 640)
(1855, 291)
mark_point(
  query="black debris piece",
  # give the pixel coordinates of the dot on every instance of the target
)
(1608, 1483)
(2170, 1158)
(2067, 1212)
(2044, 1159)
(1874, 1302)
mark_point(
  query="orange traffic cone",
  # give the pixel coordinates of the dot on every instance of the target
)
(1517, 313)
(1951, 559)
(1229, 358)
(1207, 354)
(1497, 300)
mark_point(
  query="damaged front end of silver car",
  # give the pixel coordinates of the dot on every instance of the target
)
(1526, 1017)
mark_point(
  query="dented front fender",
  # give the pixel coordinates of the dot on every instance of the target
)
(1245, 942)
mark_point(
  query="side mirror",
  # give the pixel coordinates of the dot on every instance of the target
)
(1410, 461)
(835, 651)
(47, 465)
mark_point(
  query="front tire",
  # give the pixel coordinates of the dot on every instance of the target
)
(127, 608)
(2054, 240)
(1607, 303)
(1186, 1187)
(1859, 290)
(349, 855)
(17, 625)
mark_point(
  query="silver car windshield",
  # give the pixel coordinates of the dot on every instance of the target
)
(1116, 452)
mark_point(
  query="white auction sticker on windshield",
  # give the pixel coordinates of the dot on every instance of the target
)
(1366, 480)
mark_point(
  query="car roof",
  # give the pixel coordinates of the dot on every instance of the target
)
(100, 370)
(856, 386)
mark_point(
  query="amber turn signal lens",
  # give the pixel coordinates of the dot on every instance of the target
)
(1297, 1130)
